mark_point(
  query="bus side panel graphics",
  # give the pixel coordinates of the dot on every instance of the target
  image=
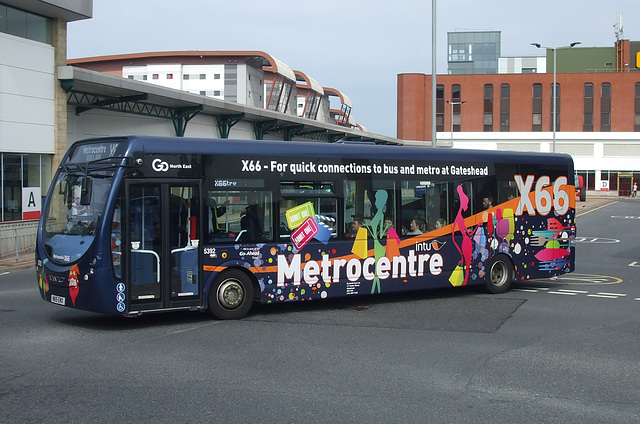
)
(541, 242)
(547, 220)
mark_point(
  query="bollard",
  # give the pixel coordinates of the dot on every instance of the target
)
(15, 234)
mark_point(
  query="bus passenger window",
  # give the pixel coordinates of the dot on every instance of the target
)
(505, 183)
(238, 215)
(425, 202)
(371, 204)
(251, 220)
(312, 199)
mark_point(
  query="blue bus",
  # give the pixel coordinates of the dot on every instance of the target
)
(138, 224)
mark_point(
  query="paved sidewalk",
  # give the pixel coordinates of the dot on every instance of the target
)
(24, 260)
(596, 200)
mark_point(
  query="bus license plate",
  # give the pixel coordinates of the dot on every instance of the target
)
(57, 299)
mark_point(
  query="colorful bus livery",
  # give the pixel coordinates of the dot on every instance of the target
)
(141, 224)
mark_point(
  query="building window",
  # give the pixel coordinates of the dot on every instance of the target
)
(203, 76)
(587, 124)
(537, 108)
(488, 108)
(589, 179)
(605, 107)
(216, 93)
(185, 77)
(24, 24)
(439, 108)
(169, 76)
(612, 178)
(456, 119)
(505, 106)
(203, 93)
(130, 76)
(637, 116)
(20, 171)
(144, 77)
(217, 76)
(155, 76)
(557, 108)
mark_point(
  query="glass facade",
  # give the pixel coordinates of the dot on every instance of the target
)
(20, 171)
(24, 24)
(473, 52)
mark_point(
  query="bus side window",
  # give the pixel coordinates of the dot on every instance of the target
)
(505, 182)
(238, 215)
(437, 206)
(473, 204)
(415, 208)
(252, 219)
(371, 204)
(300, 199)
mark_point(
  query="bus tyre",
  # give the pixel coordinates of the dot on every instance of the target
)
(583, 195)
(231, 295)
(499, 274)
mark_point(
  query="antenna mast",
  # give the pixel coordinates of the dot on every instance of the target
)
(618, 29)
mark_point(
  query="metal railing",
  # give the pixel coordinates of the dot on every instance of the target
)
(16, 239)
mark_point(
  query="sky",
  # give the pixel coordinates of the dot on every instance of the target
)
(355, 46)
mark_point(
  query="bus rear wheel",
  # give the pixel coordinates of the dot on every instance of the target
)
(231, 295)
(499, 274)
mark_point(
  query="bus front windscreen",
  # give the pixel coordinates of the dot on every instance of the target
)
(73, 212)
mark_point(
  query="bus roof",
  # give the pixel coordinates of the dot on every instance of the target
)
(152, 144)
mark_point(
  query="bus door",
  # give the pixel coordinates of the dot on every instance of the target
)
(162, 250)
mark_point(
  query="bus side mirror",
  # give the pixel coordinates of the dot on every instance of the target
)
(85, 192)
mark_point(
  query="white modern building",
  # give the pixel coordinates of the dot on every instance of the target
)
(33, 40)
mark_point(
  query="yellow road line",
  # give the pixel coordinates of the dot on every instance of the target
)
(595, 209)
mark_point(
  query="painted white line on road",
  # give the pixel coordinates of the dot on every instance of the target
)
(595, 209)
(612, 294)
(527, 290)
(559, 292)
(5, 273)
(574, 291)
(634, 264)
(602, 296)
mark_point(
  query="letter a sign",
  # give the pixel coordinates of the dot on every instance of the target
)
(31, 203)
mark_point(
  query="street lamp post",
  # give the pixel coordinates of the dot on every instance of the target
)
(554, 94)
(452, 102)
(433, 74)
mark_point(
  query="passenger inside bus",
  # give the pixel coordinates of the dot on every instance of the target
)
(355, 226)
(215, 212)
(251, 220)
(487, 202)
(416, 227)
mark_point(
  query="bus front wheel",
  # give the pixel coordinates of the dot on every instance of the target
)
(499, 274)
(231, 295)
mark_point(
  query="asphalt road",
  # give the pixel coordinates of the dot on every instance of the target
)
(549, 351)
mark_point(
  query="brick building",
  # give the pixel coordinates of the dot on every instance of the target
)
(597, 111)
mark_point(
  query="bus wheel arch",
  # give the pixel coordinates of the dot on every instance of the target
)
(231, 294)
(500, 274)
